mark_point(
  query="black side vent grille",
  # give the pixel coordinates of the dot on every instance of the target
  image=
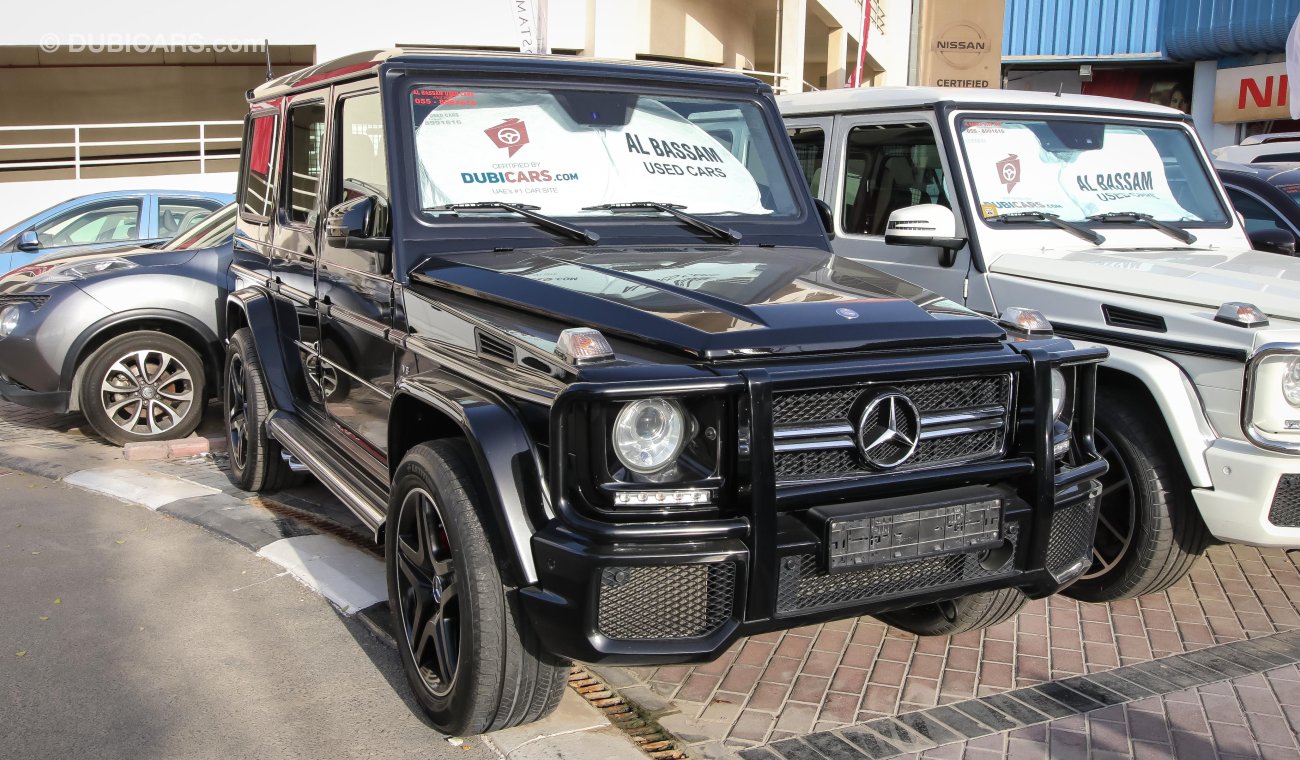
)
(1134, 320)
(496, 348)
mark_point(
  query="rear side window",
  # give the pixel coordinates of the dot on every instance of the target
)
(177, 215)
(810, 149)
(888, 167)
(256, 192)
(303, 174)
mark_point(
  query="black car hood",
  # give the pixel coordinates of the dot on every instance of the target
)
(712, 302)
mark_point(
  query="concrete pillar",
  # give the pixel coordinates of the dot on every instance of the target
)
(837, 58)
(613, 34)
(1212, 134)
(794, 17)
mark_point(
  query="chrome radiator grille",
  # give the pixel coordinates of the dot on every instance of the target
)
(962, 419)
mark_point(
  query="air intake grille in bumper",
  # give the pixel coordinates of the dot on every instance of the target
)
(963, 419)
(666, 602)
(1285, 512)
(1071, 537)
(803, 586)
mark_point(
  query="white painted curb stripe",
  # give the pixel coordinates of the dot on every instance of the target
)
(347, 576)
(151, 489)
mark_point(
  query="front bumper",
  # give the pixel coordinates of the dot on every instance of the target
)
(50, 401)
(654, 602)
(1251, 501)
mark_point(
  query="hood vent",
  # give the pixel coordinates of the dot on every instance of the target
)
(495, 348)
(1117, 316)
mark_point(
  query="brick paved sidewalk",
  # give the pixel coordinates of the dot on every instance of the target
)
(775, 686)
(1257, 716)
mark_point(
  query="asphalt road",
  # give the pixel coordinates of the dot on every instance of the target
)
(129, 634)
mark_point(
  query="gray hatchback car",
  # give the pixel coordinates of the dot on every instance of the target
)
(127, 337)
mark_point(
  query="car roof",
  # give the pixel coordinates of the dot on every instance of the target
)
(362, 64)
(1279, 172)
(112, 194)
(879, 98)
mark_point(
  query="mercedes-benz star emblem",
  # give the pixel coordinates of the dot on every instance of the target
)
(889, 430)
(847, 313)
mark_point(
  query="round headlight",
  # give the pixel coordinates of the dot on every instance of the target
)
(1058, 393)
(649, 434)
(9, 316)
(1291, 382)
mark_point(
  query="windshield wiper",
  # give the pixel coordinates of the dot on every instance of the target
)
(528, 212)
(1021, 217)
(1133, 217)
(673, 209)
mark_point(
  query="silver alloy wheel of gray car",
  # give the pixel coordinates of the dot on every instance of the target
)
(147, 392)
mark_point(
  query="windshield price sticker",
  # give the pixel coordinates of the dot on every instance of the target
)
(1014, 171)
(523, 147)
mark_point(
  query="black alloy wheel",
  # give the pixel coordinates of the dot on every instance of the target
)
(1117, 513)
(428, 593)
(470, 654)
(236, 406)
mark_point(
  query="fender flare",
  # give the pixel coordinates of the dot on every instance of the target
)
(209, 350)
(1179, 403)
(259, 315)
(508, 462)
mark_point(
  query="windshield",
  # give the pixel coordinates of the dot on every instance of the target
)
(565, 151)
(1077, 168)
(210, 232)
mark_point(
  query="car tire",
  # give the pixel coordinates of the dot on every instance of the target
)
(1149, 532)
(143, 386)
(470, 656)
(256, 461)
(967, 613)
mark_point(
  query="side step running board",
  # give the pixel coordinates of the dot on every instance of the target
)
(294, 464)
(338, 475)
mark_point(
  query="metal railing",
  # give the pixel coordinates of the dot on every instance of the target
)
(878, 16)
(201, 142)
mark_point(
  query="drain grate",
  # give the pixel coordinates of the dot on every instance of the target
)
(649, 736)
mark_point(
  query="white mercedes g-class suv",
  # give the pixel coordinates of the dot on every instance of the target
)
(1105, 215)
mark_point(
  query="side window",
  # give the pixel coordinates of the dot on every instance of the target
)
(102, 223)
(810, 149)
(304, 152)
(1258, 216)
(362, 168)
(255, 189)
(888, 167)
(176, 215)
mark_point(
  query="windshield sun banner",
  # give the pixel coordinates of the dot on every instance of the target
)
(1073, 169)
(566, 152)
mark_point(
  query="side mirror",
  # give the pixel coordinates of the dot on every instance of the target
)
(929, 225)
(827, 216)
(29, 241)
(360, 224)
(1272, 240)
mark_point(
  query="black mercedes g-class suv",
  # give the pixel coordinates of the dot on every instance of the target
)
(569, 337)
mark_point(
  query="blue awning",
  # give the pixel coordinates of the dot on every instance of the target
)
(1045, 30)
(1198, 30)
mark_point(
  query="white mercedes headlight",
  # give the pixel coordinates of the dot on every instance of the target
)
(9, 317)
(1270, 414)
(649, 434)
(1291, 382)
